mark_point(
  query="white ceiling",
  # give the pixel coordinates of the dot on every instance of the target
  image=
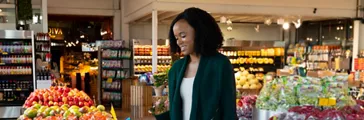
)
(167, 16)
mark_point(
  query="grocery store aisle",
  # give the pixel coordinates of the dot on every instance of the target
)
(122, 115)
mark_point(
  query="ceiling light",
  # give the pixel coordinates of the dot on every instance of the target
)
(228, 22)
(82, 36)
(256, 28)
(1, 10)
(342, 28)
(351, 27)
(65, 41)
(229, 28)
(297, 24)
(77, 42)
(285, 25)
(337, 28)
(223, 19)
(268, 21)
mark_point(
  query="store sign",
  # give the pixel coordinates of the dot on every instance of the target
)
(56, 33)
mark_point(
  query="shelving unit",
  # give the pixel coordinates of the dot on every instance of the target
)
(112, 70)
(43, 48)
(17, 68)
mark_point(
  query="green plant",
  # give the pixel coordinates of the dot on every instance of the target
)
(25, 11)
(160, 78)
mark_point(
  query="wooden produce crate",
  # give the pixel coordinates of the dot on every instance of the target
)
(141, 101)
(126, 84)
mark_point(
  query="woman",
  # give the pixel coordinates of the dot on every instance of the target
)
(201, 85)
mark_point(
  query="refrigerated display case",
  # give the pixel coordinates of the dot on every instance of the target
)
(17, 68)
(113, 67)
(43, 50)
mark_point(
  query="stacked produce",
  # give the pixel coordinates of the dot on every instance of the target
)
(245, 107)
(313, 113)
(57, 96)
(62, 103)
(286, 92)
(245, 80)
(65, 112)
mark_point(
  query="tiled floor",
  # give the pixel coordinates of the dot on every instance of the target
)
(122, 115)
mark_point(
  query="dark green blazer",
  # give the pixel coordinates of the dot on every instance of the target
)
(214, 90)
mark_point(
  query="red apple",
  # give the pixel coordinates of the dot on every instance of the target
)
(86, 104)
(60, 90)
(76, 100)
(40, 102)
(60, 103)
(90, 102)
(80, 104)
(70, 98)
(81, 99)
(55, 99)
(66, 90)
(40, 97)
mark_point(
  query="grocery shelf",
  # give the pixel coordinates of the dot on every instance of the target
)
(45, 41)
(16, 77)
(16, 64)
(123, 69)
(122, 58)
(111, 90)
(12, 103)
(10, 90)
(43, 51)
(5, 53)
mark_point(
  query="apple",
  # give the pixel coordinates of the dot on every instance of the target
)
(70, 98)
(34, 102)
(81, 99)
(55, 99)
(55, 104)
(60, 103)
(80, 104)
(60, 90)
(67, 90)
(50, 103)
(40, 97)
(40, 102)
(64, 99)
(76, 100)
(90, 102)
(50, 98)
(86, 104)
(87, 98)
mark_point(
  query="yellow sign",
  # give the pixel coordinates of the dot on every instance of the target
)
(55, 33)
(323, 102)
(109, 80)
(112, 111)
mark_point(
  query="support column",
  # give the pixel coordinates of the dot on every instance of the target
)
(154, 40)
(45, 16)
(357, 28)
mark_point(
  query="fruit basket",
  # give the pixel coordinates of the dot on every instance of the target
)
(62, 103)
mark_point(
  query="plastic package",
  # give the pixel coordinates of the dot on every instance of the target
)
(287, 94)
(268, 96)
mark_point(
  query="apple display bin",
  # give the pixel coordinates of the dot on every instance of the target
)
(259, 114)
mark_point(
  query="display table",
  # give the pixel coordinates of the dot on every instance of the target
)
(259, 114)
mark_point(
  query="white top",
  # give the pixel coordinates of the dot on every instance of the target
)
(186, 95)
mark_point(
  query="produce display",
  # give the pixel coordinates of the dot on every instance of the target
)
(245, 107)
(286, 92)
(65, 112)
(245, 80)
(313, 113)
(148, 68)
(58, 96)
(261, 52)
(62, 103)
(252, 60)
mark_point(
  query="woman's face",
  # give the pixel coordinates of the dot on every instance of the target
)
(185, 36)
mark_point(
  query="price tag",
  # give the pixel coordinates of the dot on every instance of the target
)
(8, 90)
(109, 80)
(18, 89)
(332, 102)
(4, 53)
(323, 102)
